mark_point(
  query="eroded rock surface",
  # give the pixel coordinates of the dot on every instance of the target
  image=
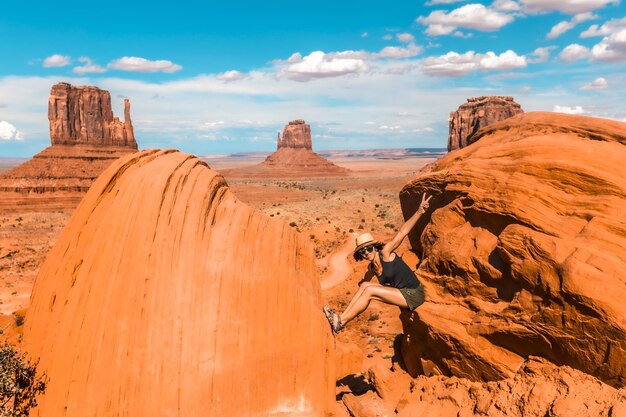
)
(83, 115)
(167, 296)
(477, 113)
(85, 138)
(296, 134)
(522, 252)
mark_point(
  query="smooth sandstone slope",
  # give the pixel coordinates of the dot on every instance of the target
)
(167, 296)
(522, 252)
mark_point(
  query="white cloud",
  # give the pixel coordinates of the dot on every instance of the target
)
(89, 67)
(405, 37)
(565, 6)
(387, 37)
(137, 64)
(470, 16)
(612, 48)
(599, 83)
(385, 127)
(56, 60)
(606, 29)
(320, 65)
(399, 52)
(454, 64)
(574, 52)
(540, 55)
(568, 110)
(232, 75)
(9, 132)
(562, 27)
(506, 6)
(364, 35)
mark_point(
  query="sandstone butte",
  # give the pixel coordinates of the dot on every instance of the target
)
(294, 158)
(477, 113)
(85, 139)
(166, 296)
(522, 253)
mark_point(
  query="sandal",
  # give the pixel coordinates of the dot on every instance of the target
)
(333, 319)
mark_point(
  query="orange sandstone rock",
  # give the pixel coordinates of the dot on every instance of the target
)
(167, 296)
(522, 251)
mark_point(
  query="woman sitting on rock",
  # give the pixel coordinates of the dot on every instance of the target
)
(398, 285)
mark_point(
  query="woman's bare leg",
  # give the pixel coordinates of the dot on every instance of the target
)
(362, 288)
(388, 295)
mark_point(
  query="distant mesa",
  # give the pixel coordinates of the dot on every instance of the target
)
(478, 112)
(294, 158)
(167, 296)
(86, 138)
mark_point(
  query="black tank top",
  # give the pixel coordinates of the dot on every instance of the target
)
(397, 274)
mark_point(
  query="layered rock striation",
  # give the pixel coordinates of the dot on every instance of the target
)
(296, 134)
(477, 113)
(86, 138)
(522, 252)
(166, 296)
(83, 116)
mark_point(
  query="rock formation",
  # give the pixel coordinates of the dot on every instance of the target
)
(296, 134)
(167, 296)
(86, 139)
(294, 157)
(478, 112)
(83, 116)
(522, 251)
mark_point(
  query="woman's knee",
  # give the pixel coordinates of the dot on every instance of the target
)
(366, 284)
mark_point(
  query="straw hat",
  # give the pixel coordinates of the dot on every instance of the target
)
(364, 240)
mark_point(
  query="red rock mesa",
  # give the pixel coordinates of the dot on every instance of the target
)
(294, 158)
(523, 251)
(166, 296)
(478, 112)
(86, 139)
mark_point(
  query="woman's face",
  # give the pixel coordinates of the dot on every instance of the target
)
(367, 253)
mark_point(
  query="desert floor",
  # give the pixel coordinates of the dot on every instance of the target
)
(327, 211)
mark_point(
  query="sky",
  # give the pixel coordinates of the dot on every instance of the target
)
(222, 77)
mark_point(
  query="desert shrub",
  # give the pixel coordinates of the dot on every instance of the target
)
(19, 383)
(293, 224)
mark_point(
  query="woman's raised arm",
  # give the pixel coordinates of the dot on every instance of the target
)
(406, 228)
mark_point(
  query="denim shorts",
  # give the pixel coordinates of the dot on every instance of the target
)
(414, 296)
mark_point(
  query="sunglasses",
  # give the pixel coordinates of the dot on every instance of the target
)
(365, 250)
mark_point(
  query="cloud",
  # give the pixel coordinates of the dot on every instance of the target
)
(569, 110)
(562, 27)
(387, 37)
(599, 83)
(612, 48)
(320, 65)
(137, 64)
(385, 127)
(571, 7)
(88, 68)
(506, 6)
(434, 2)
(409, 51)
(540, 55)
(470, 16)
(9, 132)
(229, 76)
(56, 60)
(606, 29)
(405, 37)
(454, 64)
(574, 52)
(364, 35)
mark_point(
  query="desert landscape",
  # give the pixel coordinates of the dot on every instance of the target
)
(210, 271)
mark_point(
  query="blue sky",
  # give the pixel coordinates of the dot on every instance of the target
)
(217, 78)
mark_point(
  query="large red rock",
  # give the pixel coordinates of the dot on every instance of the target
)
(522, 252)
(478, 112)
(296, 134)
(294, 158)
(86, 139)
(83, 115)
(166, 296)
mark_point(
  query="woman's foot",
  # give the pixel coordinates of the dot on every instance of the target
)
(333, 319)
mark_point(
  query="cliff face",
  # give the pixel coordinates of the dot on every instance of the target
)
(296, 134)
(477, 113)
(522, 252)
(166, 296)
(83, 115)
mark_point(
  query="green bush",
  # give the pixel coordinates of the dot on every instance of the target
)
(19, 383)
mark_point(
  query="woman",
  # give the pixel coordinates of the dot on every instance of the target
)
(398, 285)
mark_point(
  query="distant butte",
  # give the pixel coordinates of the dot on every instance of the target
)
(85, 139)
(478, 112)
(294, 157)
